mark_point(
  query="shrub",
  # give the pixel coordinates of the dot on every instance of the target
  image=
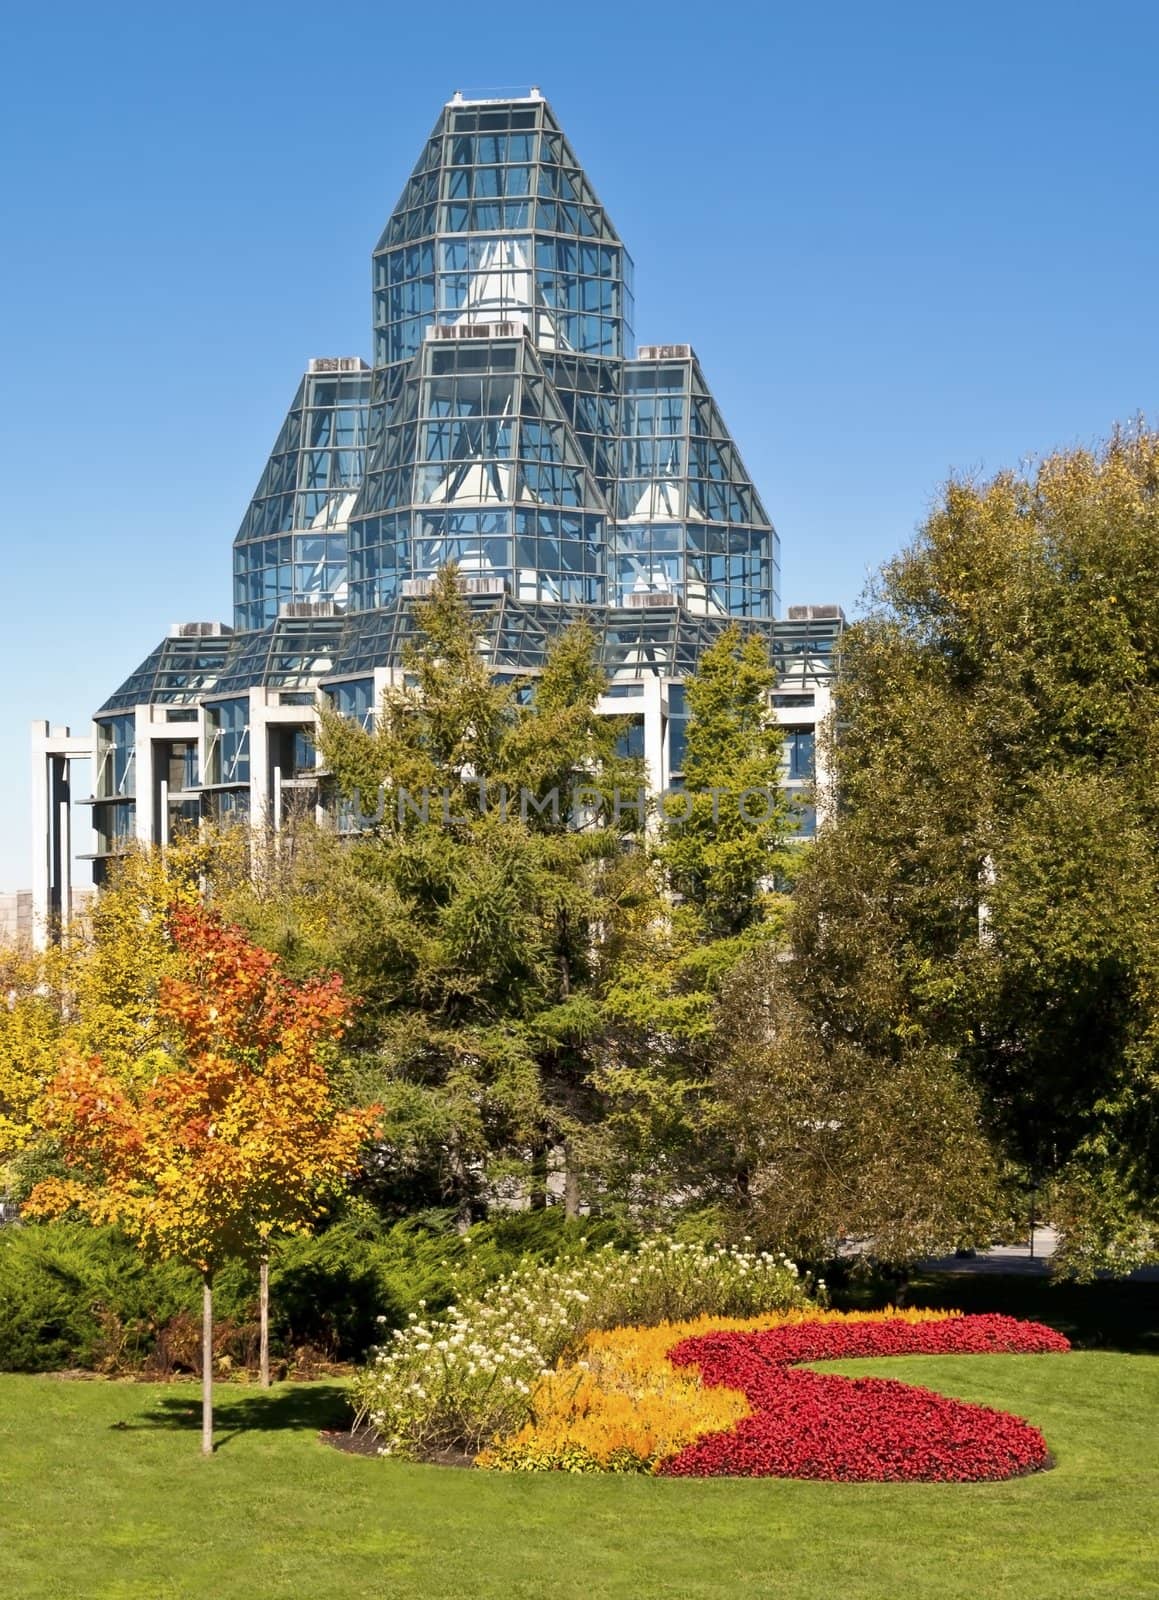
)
(338, 1290)
(461, 1382)
(73, 1295)
(69, 1293)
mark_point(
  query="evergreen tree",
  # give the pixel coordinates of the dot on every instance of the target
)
(725, 835)
(489, 906)
(723, 845)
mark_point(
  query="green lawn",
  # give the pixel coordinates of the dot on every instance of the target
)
(104, 1496)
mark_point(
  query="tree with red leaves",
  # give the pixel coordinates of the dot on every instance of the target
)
(231, 1135)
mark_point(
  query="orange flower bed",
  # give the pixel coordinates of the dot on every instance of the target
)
(621, 1405)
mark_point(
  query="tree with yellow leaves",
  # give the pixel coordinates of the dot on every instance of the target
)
(30, 1033)
(96, 992)
(235, 1133)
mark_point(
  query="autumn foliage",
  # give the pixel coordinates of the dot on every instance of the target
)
(30, 1029)
(232, 1130)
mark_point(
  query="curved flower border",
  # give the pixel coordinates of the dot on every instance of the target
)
(855, 1430)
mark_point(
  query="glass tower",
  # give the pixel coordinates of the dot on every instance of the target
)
(513, 429)
(688, 521)
(291, 545)
(509, 425)
(502, 320)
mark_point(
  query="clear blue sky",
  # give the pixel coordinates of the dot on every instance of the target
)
(903, 239)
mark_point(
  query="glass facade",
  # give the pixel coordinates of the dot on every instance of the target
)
(508, 418)
(180, 672)
(292, 654)
(115, 784)
(688, 521)
(291, 546)
(227, 742)
(510, 425)
(799, 753)
(354, 699)
(481, 467)
(498, 217)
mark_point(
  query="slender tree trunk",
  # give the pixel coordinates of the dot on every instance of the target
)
(207, 1366)
(459, 1180)
(264, 1316)
(571, 1191)
(537, 1183)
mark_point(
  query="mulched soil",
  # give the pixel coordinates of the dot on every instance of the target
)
(354, 1444)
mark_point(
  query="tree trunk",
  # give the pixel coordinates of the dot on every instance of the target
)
(571, 1192)
(537, 1178)
(264, 1316)
(207, 1366)
(460, 1185)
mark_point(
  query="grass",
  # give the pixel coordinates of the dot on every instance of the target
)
(103, 1496)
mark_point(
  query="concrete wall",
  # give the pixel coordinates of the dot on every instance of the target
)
(16, 917)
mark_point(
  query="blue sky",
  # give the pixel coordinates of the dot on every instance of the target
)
(903, 239)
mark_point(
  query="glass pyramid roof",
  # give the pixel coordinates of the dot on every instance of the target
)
(507, 425)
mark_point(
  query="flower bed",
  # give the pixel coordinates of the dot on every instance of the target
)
(460, 1381)
(712, 1398)
(814, 1425)
(623, 1406)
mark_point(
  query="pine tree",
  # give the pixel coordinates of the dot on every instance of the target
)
(724, 849)
(488, 904)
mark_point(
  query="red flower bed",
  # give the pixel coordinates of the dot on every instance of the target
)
(813, 1425)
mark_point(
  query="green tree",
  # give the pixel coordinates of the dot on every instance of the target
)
(488, 907)
(725, 836)
(829, 1141)
(723, 853)
(991, 889)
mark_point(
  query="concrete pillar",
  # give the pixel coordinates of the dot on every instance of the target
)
(654, 752)
(53, 752)
(42, 837)
(261, 797)
(144, 782)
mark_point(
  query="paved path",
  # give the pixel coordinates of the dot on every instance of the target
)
(1017, 1260)
(1030, 1260)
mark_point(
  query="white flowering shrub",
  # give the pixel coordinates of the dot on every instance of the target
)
(456, 1381)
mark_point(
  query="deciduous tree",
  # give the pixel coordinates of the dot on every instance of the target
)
(31, 1025)
(236, 1131)
(991, 888)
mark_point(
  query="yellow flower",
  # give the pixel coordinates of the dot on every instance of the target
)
(618, 1404)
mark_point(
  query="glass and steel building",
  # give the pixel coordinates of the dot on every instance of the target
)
(291, 545)
(507, 423)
